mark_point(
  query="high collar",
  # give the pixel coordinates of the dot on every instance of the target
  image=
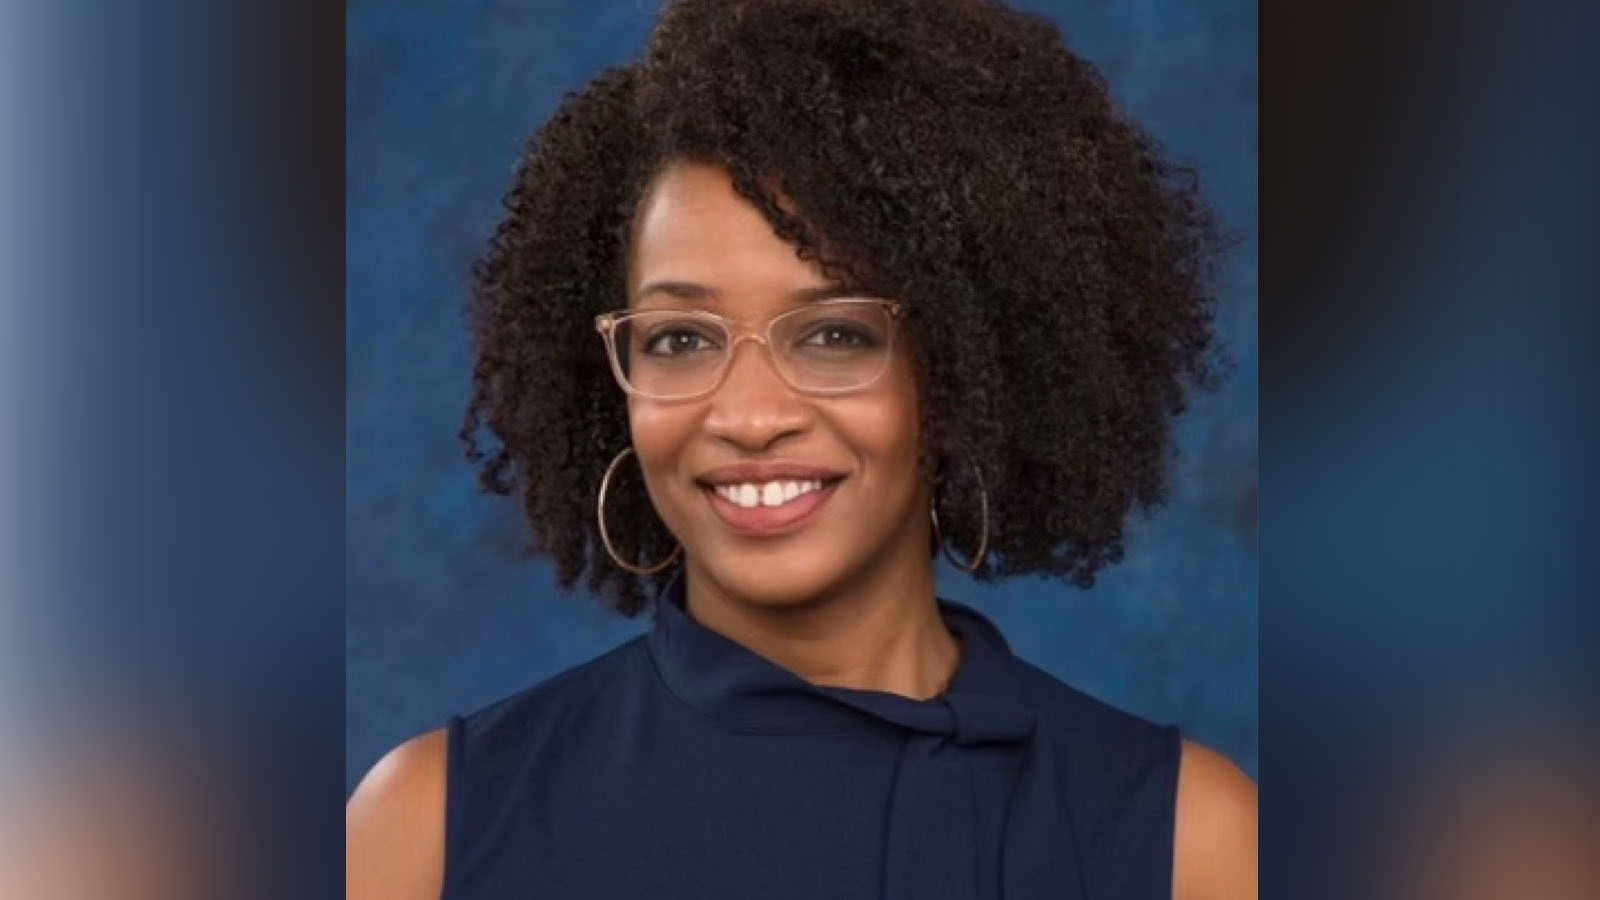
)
(743, 691)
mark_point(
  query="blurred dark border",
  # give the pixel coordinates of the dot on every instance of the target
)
(1427, 506)
(185, 510)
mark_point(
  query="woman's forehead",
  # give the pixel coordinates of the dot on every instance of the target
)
(698, 243)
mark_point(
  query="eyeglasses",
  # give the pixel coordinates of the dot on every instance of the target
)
(828, 347)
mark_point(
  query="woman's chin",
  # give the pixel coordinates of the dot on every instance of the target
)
(772, 583)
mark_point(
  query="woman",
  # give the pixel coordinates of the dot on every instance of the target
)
(810, 291)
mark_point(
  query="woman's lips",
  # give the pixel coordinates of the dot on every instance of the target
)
(770, 521)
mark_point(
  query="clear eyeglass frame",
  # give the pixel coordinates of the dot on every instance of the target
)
(607, 324)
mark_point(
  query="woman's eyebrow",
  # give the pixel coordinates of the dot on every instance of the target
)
(825, 292)
(682, 290)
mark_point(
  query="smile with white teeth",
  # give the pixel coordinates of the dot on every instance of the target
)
(773, 493)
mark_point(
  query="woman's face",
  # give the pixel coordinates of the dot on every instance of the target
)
(718, 253)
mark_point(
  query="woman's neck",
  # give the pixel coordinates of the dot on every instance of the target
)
(883, 634)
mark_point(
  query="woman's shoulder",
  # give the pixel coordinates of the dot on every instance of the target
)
(397, 819)
(395, 823)
(1123, 767)
(1215, 838)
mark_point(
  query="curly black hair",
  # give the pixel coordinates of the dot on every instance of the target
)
(1058, 270)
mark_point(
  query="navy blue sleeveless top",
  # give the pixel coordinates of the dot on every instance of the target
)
(683, 765)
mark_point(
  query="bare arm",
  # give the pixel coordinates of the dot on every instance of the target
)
(394, 825)
(1215, 852)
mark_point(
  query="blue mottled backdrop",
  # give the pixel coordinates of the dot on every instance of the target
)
(444, 615)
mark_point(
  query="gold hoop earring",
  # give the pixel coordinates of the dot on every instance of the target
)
(605, 536)
(983, 540)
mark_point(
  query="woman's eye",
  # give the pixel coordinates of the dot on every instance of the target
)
(676, 343)
(844, 337)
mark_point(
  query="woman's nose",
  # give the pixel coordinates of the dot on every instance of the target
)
(754, 406)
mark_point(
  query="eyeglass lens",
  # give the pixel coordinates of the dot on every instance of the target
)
(832, 347)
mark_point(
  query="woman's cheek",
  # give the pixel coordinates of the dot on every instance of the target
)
(660, 436)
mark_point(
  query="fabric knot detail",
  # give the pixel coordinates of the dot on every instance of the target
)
(981, 719)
